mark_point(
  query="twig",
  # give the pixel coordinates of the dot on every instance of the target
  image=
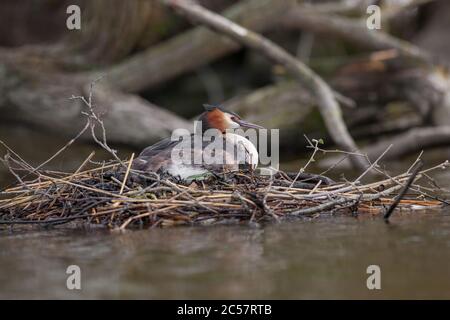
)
(316, 186)
(311, 159)
(402, 193)
(126, 174)
(374, 164)
(67, 145)
(419, 158)
(93, 118)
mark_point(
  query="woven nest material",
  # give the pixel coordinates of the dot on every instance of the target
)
(102, 196)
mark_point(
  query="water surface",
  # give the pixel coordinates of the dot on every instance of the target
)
(322, 258)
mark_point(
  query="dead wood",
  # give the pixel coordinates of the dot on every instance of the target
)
(325, 97)
(414, 140)
(193, 48)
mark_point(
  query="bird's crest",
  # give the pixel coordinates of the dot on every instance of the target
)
(209, 108)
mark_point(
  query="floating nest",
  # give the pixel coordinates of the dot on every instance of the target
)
(115, 197)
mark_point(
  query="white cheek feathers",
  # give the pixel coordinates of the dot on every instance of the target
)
(230, 123)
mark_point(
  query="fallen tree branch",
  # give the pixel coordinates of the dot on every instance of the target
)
(340, 7)
(352, 30)
(327, 104)
(387, 127)
(390, 9)
(197, 47)
(411, 141)
(398, 8)
(191, 49)
(40, 98)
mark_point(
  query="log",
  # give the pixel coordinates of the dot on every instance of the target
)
(353, 30)
(191, 49)
(43, 101)
(414, 140)
(110, 31)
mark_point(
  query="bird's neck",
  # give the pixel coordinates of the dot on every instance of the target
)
(240, 142)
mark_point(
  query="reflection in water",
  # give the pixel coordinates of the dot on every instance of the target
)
(325, 258)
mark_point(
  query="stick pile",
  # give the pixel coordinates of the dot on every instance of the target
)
(102, 196)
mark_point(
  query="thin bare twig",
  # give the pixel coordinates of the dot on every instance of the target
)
(311, 159)
(402, 193)
(94, 119)
(375, 163)
(126, 174)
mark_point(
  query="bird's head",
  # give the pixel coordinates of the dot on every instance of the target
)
(218, 118)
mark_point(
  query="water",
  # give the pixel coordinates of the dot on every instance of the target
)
(322, 258)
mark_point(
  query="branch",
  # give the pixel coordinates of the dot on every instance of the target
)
(191, 49)
(341, 7)
(402, 193)
(352, 30)
(412, 141)
(130, 119)
(353, 8)
(40, 98)
(327, 104)
(387, 127)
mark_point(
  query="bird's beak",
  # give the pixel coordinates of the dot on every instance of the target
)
(246, 124)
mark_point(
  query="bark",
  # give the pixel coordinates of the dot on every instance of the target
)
(383, 128)
(383, 81)
(42, 100)
(191, 49)
(412, 141)
(354, 31)
(110, 30)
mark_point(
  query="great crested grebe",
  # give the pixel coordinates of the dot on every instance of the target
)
(160, 156)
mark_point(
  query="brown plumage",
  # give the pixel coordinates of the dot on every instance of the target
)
(159, 156)
(215, 119)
